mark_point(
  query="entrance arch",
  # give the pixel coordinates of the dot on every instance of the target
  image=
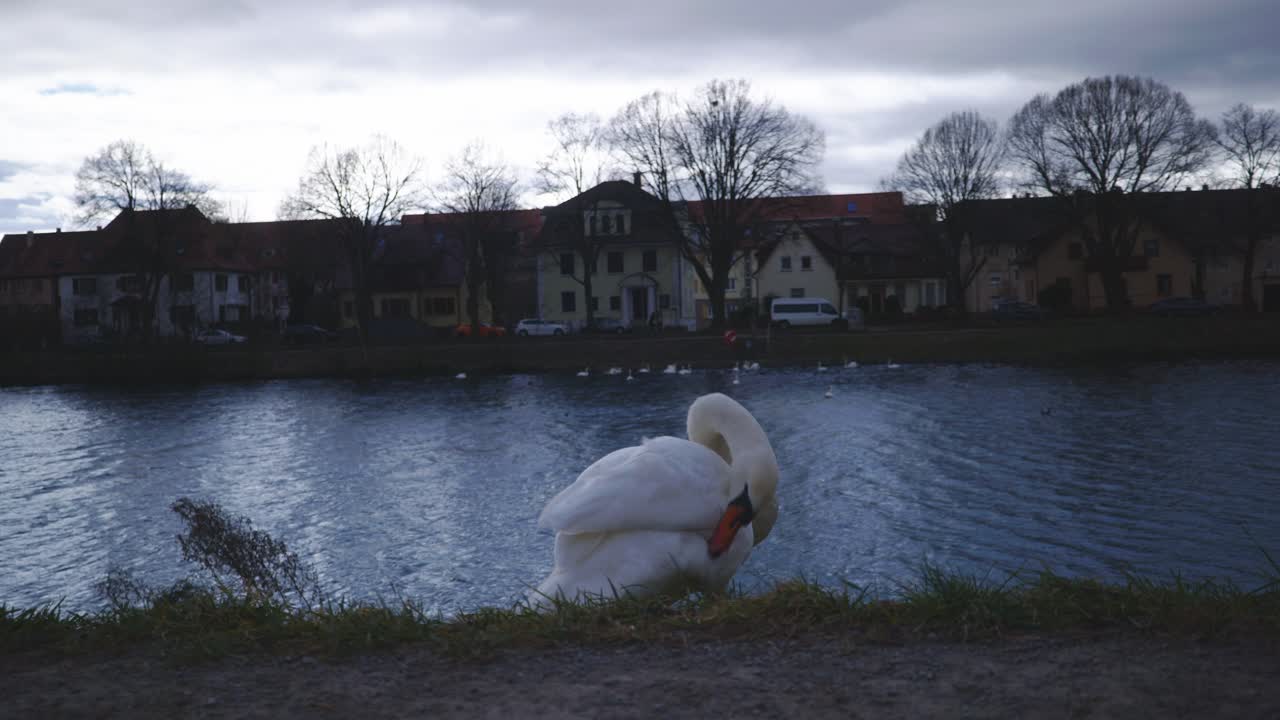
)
(639, 293)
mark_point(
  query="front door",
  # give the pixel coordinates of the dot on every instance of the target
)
(639, 305)
(1271, 298)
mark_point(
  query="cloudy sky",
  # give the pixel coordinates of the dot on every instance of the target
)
(235, 92)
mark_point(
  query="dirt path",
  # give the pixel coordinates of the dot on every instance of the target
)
(816, 677)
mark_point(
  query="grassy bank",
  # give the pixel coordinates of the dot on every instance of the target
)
(1101, 340)
(208, 625)
(253, 595)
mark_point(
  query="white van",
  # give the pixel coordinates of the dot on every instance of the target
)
(786, 312)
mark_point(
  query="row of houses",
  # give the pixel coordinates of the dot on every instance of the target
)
(612, 252)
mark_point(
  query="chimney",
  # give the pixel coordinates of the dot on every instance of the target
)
(635, 178)
(57, 230)
(30, 239)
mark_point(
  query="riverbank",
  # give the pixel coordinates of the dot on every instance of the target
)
(814, 676)
(951, 646)
(1094, 340)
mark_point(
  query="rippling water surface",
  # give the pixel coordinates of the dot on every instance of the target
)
(431, 488)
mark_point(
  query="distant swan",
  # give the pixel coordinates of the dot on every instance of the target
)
(586, 372)
(893, 365)
(668, 514)
(821, 367)
(687, 369)
(829, 394)
(670, 370)
(644, 370)
(460, 376)
(615, 371)
(629, 377)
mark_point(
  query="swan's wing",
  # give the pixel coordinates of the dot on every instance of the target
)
(664, 484)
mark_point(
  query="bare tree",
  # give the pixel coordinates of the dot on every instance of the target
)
(124, 177)
(363, 189)
(576, 164)
(726, 150)
(1250, 139)
(957, 160)
(481, 191)
(1098, 142)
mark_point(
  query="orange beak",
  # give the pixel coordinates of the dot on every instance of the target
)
(738, 513)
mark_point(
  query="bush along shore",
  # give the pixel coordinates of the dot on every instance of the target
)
(1065, 342)
(252, 595)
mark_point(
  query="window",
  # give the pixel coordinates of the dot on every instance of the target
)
(797, 292)
(785, 263)
(84, 286)
(566, 263)
(595, 303)
(733, 283)
(348, 310)
(995, 280)
(443, 306)
(184, 282)
(615, 302)
(650, 261)
(1164, 285)
(220, 283)
(1151, 248)
(622, 224)
(395, 307)
(595, 224)
(86, 317)
(664, 302)
(129, 284)
(568, 301)
(1075, 251)
(930, 295)
(182, 315)
(606, 224)
(615, 263)
(806, 263)
(242, 283)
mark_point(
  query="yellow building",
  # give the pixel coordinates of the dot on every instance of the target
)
(621, 241)
(1187, 244)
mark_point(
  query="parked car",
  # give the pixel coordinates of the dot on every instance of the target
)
(1183, 306)
(1017, 310)
(608, 325)
(213, 336)
(534, 326)
(809, 311)
(299, 334)
(482, 330)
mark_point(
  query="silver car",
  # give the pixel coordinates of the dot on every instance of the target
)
(534, 326)
(218, 337)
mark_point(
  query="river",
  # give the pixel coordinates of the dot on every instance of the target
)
(430, 489)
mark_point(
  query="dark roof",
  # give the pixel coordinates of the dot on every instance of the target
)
(879, 207)
(867, 250)
(651, 219)
(1198, 218)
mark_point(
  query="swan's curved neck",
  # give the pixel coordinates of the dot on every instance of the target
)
(731, 432)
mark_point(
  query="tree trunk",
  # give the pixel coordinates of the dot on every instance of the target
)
(1113, 286)
(1246, 286)
(715, 295)
(586, 288)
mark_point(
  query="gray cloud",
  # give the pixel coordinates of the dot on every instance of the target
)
(82, 89)
(1217, 53)
(8, 169)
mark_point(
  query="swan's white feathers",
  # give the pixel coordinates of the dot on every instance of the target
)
(633, 489)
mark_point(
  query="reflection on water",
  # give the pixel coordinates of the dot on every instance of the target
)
(431, 488)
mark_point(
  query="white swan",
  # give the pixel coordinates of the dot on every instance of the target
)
(687, 369)
(735, 377)
(615, 371)
(829, 394)
(893, 365)
(821, 367)
(671, 370)
(586, 372)
(460, 376)
(629, 377)
(851, 364)
(644, 370)
(668, 514)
